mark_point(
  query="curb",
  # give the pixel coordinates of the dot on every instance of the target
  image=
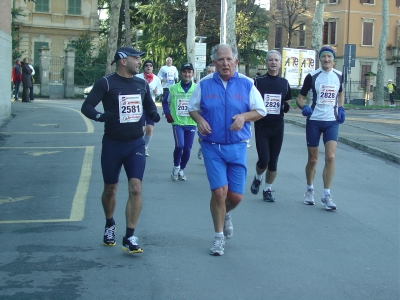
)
(363, 147)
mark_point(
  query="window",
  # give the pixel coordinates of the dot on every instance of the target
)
(367, 1)
(364, 69)
(333, 1)
(42, 6)
(37, 46)
(302, 35)
(279, 4)
(368, 32)
(329, 33)
(398, 3)
(74, 7)
(278, 37)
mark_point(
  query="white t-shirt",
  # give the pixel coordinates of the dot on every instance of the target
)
(170, 74)
(155, 83)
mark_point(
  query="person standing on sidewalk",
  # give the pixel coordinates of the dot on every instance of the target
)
(16, 77)
(223, 104)
(175, 106)
(124, 96)
(31, 97)
(269, 130)
(155, 90)
(168, 75)
(391, 88)
(323, 118)
(26, 80)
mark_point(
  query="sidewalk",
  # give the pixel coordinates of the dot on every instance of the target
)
(373, 131)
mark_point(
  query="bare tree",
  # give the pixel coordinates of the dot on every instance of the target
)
(128, 40)
(288, 13)
(115, 6)
(317, 23)
(380, 74)
(191, 31)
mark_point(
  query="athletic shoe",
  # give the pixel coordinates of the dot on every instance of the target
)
(130, 245)
(218, 246)
(328, 203)
(200, 154)
(255, 186)
(228, 226)
(309, 197)
(109, 236)
(181, 175)
(267, 196)
(147, 152)
(174, 175)
(248, 145)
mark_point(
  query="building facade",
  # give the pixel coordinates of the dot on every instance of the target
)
(356, 22)
(53, 23)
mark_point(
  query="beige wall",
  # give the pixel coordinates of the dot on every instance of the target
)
(5, 61)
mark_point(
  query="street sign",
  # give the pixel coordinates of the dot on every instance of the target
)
(350, 55)
(200, 65)
(200, 49)
(200, 58)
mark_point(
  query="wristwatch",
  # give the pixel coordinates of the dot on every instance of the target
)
(98, 116)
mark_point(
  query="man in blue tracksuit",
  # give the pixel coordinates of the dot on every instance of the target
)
(222, 105)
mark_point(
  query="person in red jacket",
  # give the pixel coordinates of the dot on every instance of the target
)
(16, 77)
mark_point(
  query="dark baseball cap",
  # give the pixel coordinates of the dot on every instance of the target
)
(187, 66)
(125, 52)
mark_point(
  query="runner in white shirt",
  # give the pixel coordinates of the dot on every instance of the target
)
(155, 90)
(323, 117)
(168, 74)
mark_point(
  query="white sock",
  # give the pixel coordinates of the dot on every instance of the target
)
(267, 187)
(219, 234)
(326, 192)
(147, 139)
(259, 177)
(310, 187)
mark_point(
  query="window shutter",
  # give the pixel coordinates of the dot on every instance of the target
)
(278, 37)
(398, 3)
(333, 33)
(325, 33)
(367, 33)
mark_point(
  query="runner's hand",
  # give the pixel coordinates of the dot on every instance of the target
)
(154, 116)
(107, 116)
(169, 118)
(306, 111)
(341, 116)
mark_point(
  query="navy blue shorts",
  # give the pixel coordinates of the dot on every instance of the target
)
(115, 154)
(314, 129)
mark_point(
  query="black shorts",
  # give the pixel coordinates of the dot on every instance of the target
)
(115, 154)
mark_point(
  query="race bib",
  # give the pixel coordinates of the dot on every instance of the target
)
(327, 94)
(170, 77)
(130, 108)
(181, 108)
(272, 103)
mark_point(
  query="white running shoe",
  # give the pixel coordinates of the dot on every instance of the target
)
(328, 203)
(181, 176)
(309, 197)
(174, 175)
(228, 226)
(218, 246)
(147, 152)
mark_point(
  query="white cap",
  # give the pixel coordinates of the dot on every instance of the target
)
(390, 80)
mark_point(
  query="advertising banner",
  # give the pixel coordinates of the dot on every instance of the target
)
(296, 64)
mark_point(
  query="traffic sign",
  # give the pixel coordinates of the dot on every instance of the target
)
(200, 49)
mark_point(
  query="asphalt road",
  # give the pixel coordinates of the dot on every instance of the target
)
(51, 221)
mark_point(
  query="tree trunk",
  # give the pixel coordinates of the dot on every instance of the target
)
(115, 6)
(317, 23)
(191, 31)
(128, 40)
(380, 74)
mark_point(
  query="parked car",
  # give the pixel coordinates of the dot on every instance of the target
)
(86, 91)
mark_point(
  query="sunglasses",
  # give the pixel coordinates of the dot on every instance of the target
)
(147, 65)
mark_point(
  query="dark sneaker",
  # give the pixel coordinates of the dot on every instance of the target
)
(255, 186)
(109, 236)
(267, 196)
(130, 245)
